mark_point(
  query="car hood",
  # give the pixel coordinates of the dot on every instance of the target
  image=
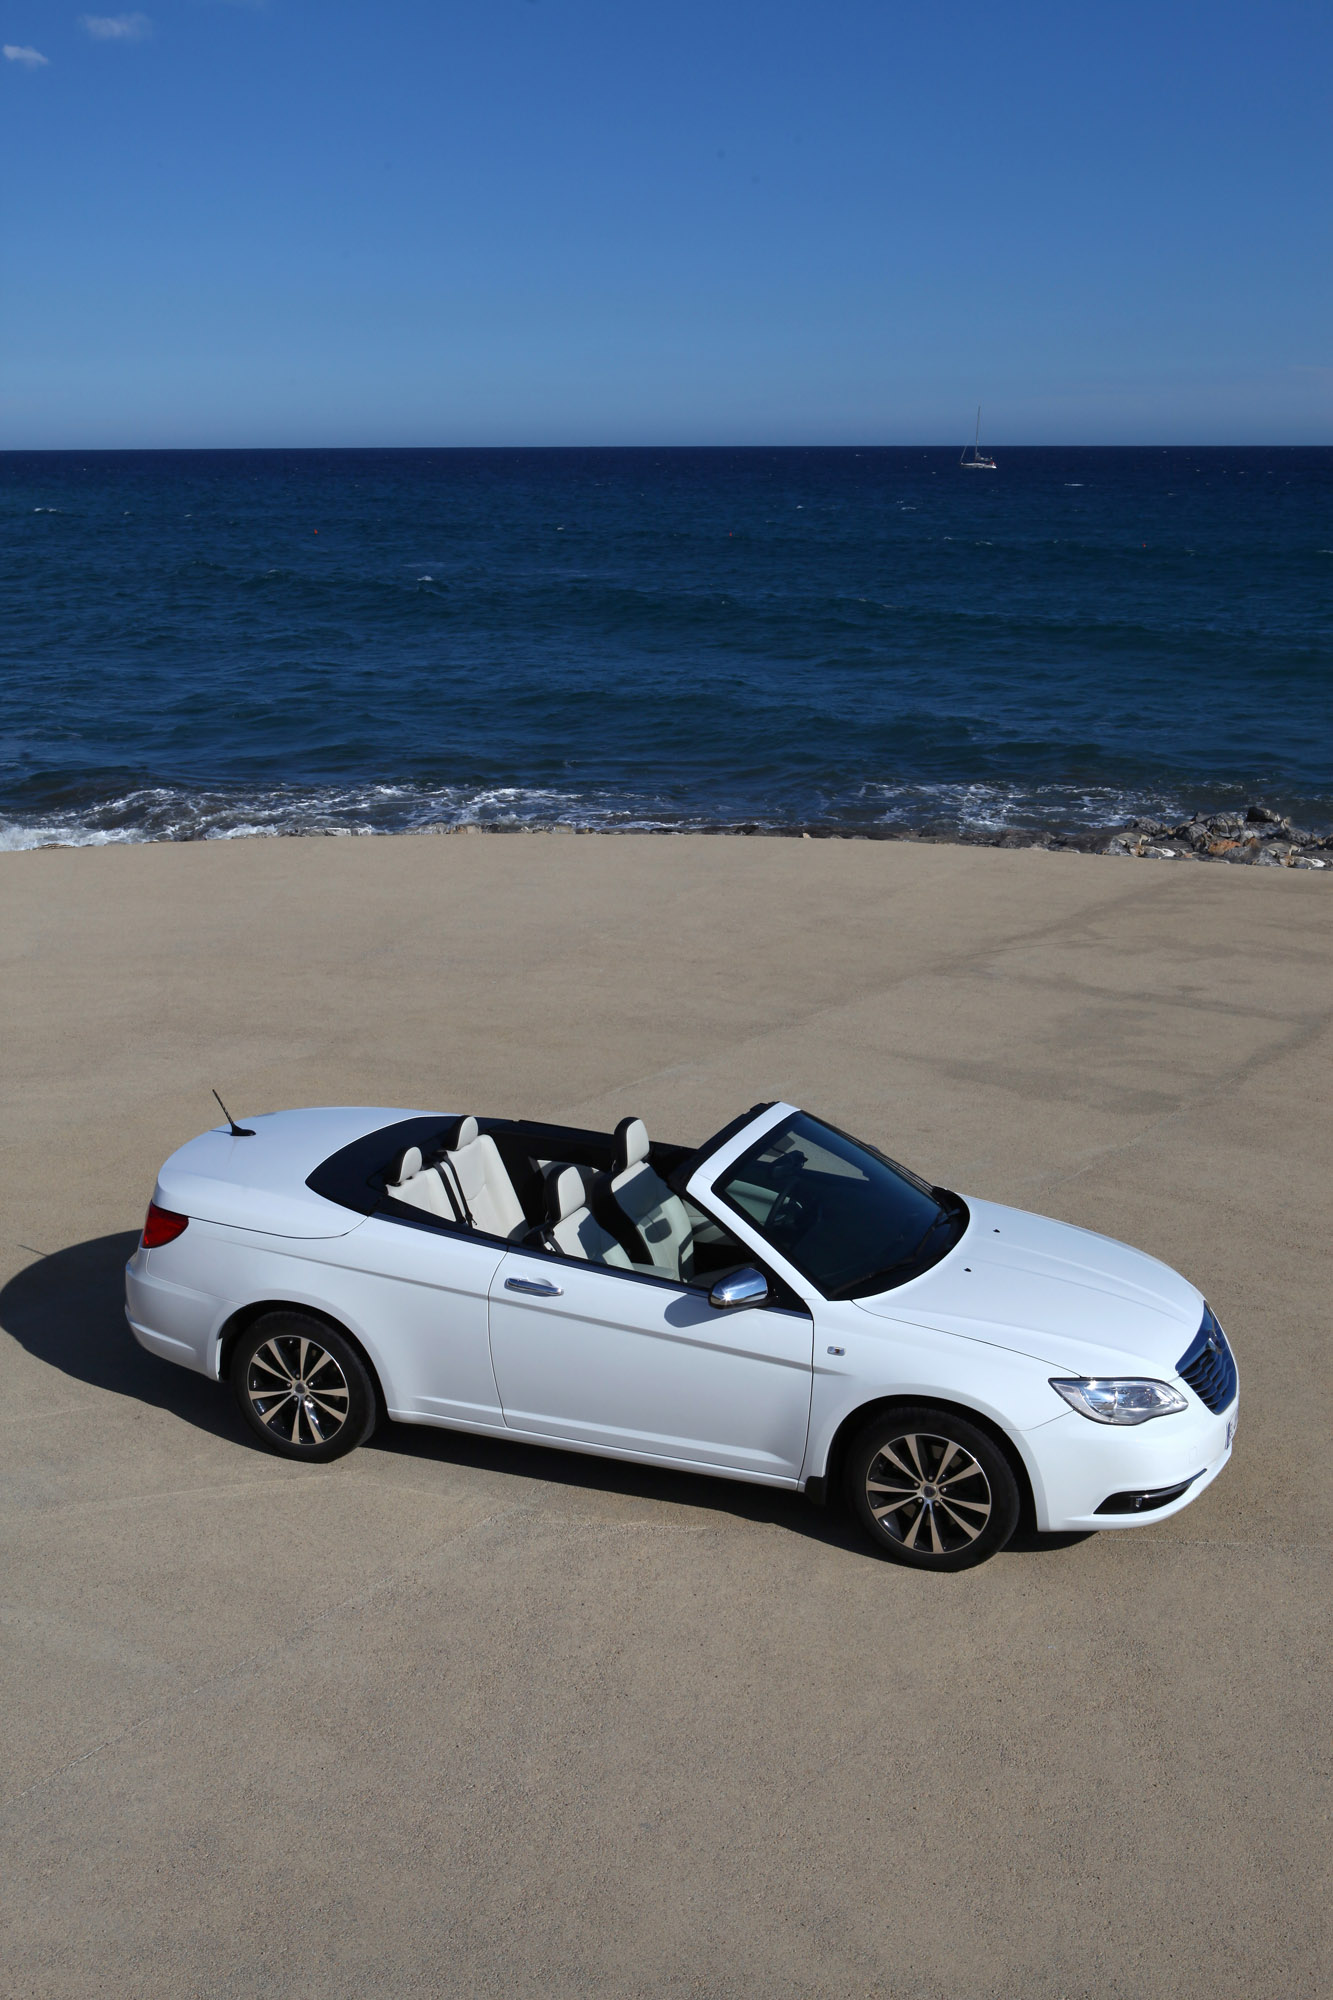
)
(1086, 1304)
(259, 1182)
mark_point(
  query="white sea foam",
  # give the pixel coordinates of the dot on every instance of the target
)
(162, 812)
(999, 808)
(174, 813)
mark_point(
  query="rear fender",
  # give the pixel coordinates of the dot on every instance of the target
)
(244, 1318)
(275, 1273)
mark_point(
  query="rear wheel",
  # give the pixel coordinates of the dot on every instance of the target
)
(302, 1387)
(932, 1490)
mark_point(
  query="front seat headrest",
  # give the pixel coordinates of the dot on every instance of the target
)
(408, 1164)
(631, 1137)
(564, 1192)
(466, 1133)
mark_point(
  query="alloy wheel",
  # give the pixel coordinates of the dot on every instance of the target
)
(298, 1390)
(928, 1493)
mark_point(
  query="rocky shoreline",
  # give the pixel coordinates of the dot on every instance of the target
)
(1256, 837)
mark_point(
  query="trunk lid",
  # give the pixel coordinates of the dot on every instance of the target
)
(260, 1182)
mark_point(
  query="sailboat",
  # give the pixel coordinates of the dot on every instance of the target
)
(980, 461)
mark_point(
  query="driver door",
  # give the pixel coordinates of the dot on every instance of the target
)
(645, 1367)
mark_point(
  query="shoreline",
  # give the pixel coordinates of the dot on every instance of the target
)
(1256, 836)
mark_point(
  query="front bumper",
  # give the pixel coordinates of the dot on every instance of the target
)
(1080, 1465)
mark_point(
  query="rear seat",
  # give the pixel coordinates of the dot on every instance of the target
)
(468, 1183)
(660, 1217)
(472, 1167)
(421, 1187)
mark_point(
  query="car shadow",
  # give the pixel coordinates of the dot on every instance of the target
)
(68, 1310)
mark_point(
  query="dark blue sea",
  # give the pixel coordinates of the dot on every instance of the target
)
(202, 644)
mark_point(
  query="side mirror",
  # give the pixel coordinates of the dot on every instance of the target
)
(747, 1287)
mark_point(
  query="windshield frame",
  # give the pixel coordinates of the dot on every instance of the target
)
(951, 1208)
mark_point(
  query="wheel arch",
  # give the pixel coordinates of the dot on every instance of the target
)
(857, 1419)
(245, 1316)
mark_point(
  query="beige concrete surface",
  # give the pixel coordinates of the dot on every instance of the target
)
(456, 1718)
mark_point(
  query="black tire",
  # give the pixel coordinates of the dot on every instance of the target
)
(959, 1498)
(302, 1387)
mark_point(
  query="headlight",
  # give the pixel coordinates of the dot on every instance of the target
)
(1119, 1402)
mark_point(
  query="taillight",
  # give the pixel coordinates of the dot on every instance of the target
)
(162, 1225)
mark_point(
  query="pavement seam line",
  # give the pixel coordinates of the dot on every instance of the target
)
(948, 963)
(1303, 1034)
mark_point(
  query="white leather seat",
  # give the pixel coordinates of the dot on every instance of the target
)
(472, 1168)
(661, 1218)
(571, 1226)
(421, 1187)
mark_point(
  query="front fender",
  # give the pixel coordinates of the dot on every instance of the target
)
(897, 1361)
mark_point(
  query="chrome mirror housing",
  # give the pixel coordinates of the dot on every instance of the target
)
(746, 1287)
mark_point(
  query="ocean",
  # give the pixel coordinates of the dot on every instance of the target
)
(208, 644)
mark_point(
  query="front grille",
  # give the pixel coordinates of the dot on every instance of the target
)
(1209, 1366)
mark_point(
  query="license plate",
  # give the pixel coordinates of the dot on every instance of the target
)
(1232, 1421)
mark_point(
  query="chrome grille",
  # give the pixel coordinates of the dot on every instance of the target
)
(1209, 1366)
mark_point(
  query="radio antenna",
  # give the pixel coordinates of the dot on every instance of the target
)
(237, 1131)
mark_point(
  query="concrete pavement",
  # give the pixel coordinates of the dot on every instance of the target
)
(453, 1717)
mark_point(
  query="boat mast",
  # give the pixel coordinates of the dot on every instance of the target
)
(976, 458)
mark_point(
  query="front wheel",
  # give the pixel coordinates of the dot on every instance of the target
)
(302, 1387)
(932, 1490)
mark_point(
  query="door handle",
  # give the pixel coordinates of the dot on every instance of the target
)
(539, 1287)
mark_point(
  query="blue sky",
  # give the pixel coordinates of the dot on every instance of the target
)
(573, 221)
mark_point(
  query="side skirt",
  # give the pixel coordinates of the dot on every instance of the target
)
(597, 1450)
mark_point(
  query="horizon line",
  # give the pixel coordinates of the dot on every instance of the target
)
(16, 450)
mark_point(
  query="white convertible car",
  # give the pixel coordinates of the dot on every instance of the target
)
(782, 1304)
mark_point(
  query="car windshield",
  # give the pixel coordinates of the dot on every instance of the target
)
(849, 1219)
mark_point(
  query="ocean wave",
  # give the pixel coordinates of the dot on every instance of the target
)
(169, 812)
(984, 808)
(176, 813)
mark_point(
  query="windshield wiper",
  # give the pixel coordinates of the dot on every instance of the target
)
(945, 1215)
(956, 1209)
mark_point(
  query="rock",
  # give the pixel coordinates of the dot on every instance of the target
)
(1258, 834)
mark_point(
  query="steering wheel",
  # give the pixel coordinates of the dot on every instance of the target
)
(793, 1214)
